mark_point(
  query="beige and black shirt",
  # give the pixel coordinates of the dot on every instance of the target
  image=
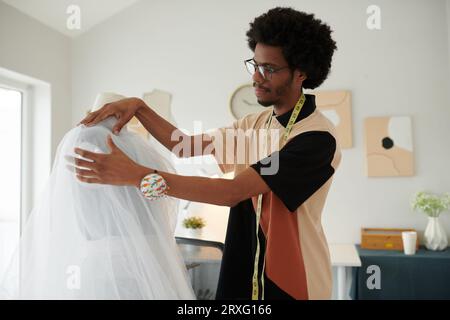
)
(292, 239)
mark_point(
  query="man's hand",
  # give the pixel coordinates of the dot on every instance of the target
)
(123, 110)
(114, 168)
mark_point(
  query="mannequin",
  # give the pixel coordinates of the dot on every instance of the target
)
(92, 241)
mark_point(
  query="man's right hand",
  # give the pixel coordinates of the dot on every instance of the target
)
(123, 110)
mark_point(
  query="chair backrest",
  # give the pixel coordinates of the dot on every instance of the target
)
(202, 258)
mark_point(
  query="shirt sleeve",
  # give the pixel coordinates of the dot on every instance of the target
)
(224, 145)
(304, 165)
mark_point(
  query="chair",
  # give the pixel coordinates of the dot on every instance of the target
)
(202, 259)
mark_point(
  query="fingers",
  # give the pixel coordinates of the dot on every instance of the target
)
(112, 146)
(85, 173)
(89, 180)
(76, 162)
(121, 121)
(89, 118)
(88, 154)
(86, 164)
(118, 127)
(95, 117)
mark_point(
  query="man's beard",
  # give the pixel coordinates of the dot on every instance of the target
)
(265, 103)
(280, 91)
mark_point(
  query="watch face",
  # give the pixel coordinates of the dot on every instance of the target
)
(243, 102)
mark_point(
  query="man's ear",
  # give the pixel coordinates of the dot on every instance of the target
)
(300, 76)
(303, 76)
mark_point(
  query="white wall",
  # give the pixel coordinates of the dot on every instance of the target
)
(400, 70)
(448, 34)
(195, 49)
(34, 50)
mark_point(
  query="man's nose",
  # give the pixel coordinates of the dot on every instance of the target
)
(257, 77)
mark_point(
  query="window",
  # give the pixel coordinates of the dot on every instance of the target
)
(10, 163)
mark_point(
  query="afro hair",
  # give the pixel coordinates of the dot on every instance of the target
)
(306, 42)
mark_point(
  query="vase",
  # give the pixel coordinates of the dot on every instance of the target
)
(435, 236)
(194, 233)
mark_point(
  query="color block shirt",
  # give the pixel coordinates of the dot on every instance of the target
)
(299, 175)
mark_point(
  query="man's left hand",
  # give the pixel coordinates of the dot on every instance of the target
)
(115, 168)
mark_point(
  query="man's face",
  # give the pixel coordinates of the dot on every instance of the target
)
(273, 91)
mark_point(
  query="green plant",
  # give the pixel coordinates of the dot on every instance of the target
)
(431, 204)
(194, 223)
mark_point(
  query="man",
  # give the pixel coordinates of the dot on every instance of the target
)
(275, 247)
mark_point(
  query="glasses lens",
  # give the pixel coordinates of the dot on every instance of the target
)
(263, 71)
(250, 67)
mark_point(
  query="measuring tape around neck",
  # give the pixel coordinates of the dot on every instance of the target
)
(292, 119)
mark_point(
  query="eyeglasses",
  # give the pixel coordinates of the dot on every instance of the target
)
(265, 71)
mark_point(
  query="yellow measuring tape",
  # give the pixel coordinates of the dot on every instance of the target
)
(294, 115)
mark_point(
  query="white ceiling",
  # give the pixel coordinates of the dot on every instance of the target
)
(53, 12)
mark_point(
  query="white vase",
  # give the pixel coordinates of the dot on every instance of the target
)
(194, 233)
(435, 236)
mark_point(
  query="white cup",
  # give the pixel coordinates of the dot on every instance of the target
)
(409, 242)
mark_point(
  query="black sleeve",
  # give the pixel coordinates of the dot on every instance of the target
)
(304, 165)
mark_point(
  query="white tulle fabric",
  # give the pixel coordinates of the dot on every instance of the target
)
(92, 241)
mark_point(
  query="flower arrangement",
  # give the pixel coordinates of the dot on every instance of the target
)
(432, 204)
(194, 223)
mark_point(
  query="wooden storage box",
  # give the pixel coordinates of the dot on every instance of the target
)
(383, 239)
